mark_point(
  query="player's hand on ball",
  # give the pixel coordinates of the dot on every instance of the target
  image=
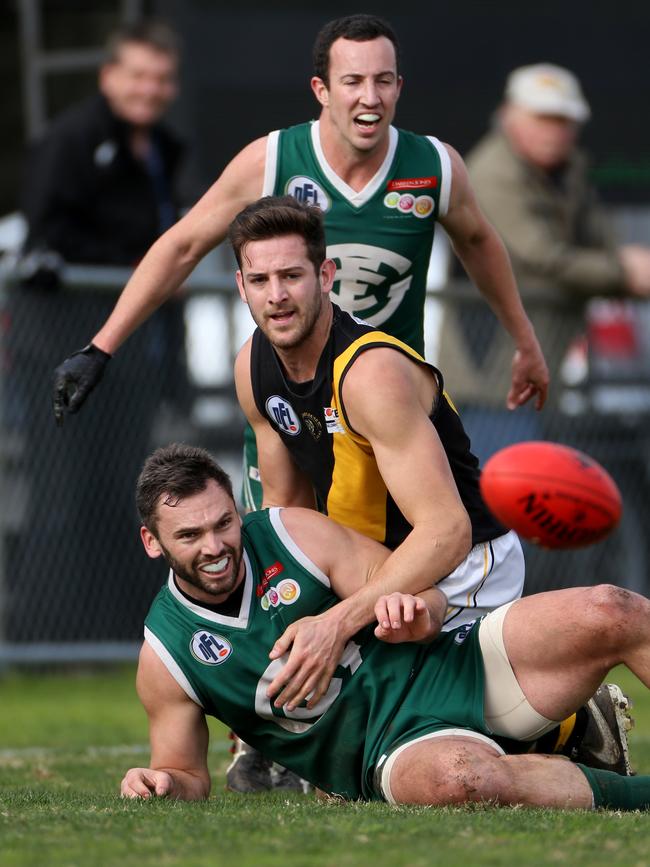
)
(75, 378)
(402, 617)
(144, 783)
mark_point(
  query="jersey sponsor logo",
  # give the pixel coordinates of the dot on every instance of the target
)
(406, 203)
(270, 598)
(332, 423)
(313, 425)
(412, 183)
(269, 573)
(423, 207)
(285, 593)
(282, 413)
(307, 191)
(288, 591)
(391, 200)
(370, 281)
(209, 648)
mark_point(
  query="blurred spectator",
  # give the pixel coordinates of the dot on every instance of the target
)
(99, 189)
(532, 182)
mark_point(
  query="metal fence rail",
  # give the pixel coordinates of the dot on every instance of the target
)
(74, 581)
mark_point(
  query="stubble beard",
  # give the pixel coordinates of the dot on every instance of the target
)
(304, 330)
(193, 577)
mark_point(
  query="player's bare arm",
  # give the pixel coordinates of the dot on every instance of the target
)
(316, 643)
(176, 253)
(413, 465)
(283, 482)
(178, 734)
(416, 471)
(484, 257)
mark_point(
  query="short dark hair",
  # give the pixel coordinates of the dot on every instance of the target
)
(175, 471)
(357, 28)
(276, 216)
(152, 32)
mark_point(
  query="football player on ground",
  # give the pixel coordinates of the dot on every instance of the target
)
(413, 715)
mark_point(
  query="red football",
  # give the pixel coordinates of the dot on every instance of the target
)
(550, 494)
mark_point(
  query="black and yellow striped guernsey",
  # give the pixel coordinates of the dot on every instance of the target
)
(311, 420)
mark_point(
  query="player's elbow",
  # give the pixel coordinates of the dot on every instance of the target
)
(459, 534)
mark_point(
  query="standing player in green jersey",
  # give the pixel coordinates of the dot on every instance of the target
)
(382, 191)
(412, 715)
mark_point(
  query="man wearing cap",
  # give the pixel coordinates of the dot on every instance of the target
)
(531, 181)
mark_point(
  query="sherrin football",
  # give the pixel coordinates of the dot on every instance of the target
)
(552, 495)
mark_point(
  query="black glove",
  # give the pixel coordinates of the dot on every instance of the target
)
(75, 378)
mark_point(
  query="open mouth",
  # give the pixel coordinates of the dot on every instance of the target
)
(367, 121)
(218, 567)
(282, 316)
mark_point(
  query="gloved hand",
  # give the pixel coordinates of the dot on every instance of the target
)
(75, 378)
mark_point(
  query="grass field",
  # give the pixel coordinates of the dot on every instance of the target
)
(66, 740)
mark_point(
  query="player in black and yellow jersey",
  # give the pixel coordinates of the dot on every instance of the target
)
(355, 422)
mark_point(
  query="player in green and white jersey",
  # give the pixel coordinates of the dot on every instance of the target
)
(382, 190)
(412, 715)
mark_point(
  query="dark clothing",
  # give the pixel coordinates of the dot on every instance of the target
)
(91, 201)
(87, 197)
(311, 420)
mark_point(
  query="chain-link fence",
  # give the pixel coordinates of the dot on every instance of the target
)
(74, 581)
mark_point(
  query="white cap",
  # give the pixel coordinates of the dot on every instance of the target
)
(547, 89)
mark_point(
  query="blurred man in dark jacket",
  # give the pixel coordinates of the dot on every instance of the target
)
(100, 187)
(100, 184)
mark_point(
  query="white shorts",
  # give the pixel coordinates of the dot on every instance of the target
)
(491, 575)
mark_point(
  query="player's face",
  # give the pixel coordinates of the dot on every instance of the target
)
(200, 537)
(140, 84)
(363, 91)
(284, 294)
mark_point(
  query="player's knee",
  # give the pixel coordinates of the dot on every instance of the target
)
(607, 604)
(462, 777)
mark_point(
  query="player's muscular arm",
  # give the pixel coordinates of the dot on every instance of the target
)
(487, 263)
(176, 253)
(179, 738)
(415, 469)
(283, 484)
(315, 644)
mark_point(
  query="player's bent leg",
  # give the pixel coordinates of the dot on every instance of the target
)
(596, 735)
(562, 644)
(458, 769)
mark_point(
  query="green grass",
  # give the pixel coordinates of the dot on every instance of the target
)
(66, 740)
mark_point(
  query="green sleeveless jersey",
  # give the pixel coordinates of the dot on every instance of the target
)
(380, 237)
(379, 694)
